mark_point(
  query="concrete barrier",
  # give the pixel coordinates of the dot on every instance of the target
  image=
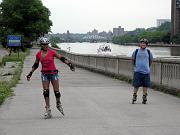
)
(164, 71)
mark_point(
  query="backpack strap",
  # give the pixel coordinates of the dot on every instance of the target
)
(135, 56)
(149, 57)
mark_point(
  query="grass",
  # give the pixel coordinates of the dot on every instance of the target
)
(0, 60)
(15, 57)
(5, 87)
(5, 91)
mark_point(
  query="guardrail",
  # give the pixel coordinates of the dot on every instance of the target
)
(164, 72)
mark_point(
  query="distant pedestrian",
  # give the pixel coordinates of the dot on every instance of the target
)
(49, 74)
(142, 59)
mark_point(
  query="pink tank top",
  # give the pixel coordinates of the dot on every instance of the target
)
(47, 62)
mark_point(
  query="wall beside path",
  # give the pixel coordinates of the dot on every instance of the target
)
(165, 72)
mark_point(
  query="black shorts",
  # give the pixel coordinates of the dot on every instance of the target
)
(141, 80)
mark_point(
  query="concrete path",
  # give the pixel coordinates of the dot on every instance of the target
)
(94, 105)
(3, 52)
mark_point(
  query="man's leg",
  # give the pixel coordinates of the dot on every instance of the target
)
(145, 90)
(146, 84)
(134, 95)
(136, 84)
(144, 97)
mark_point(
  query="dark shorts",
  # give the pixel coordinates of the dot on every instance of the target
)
(49, 77)
(141, 80)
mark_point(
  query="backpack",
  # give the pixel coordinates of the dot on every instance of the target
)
(136, 54)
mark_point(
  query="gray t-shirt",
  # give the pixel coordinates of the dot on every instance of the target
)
(142, 61)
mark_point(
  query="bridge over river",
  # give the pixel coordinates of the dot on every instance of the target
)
(94, 104)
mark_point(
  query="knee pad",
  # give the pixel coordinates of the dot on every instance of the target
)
(57, 94)
(46, 92)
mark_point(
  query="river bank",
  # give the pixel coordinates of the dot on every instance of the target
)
(117, 50)
(153, 45)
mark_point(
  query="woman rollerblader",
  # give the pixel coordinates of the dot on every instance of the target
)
(49, 73)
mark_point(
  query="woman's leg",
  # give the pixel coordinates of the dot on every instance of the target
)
(45, 84)
(46, 92)
(55, 84)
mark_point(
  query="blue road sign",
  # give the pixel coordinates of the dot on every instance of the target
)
(14, 40)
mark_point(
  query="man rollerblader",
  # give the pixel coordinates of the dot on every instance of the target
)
(142, 59)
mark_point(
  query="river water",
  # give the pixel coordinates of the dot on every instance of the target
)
(91, 48)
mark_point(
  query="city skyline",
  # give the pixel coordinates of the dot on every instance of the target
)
(81, 16)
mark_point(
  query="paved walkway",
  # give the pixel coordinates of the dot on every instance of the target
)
(3, 52)
(94, 105)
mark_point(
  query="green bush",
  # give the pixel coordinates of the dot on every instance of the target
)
(5, 91)
(15, 57)
(5, 87)
(0, 61)
(54, 45)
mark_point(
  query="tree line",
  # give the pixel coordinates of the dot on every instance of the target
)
(160, 34)
(27, 18)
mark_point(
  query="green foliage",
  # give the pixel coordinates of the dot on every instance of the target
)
(53, 44)
(165, 27)
(14, 57)
(0, 60)
(55, 39)
(136, 31)
(5, 87)
(176, 39)
(28, 18)
(154, 35)
(4, 91)
(124, 39)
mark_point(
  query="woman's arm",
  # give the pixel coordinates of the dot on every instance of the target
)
(64, 60)
(34, 67)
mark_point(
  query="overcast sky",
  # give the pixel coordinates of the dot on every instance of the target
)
(81, 16)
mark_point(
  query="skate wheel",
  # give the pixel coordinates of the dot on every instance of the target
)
(144, 102)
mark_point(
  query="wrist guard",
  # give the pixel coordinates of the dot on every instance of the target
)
(35, 66)
(63, 59)
(71, 66)
(29, 75)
